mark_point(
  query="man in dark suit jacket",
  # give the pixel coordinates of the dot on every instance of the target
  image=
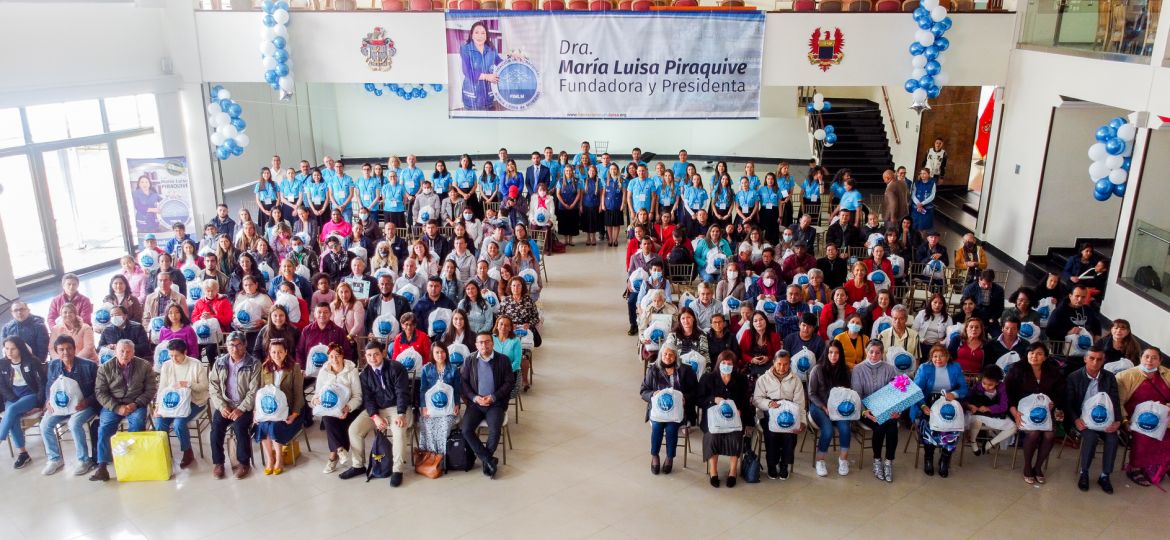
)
(988, 298)
(439, 244)
(1083, 384)
(535, 174)
(844, 233)
(385, 303)
(487, 382)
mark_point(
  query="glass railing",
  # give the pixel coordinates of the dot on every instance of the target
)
(1092, 26)
(1147, 265)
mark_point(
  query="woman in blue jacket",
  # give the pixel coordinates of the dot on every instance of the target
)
(433, 428)
(922, 198)
(479, 59)
(714, 241)
(938, 378)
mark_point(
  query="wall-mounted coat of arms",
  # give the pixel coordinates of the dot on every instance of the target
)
(378, 49)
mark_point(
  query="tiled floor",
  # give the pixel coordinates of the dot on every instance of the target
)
(579, 469)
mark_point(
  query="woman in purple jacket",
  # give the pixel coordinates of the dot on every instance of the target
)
(987, 408)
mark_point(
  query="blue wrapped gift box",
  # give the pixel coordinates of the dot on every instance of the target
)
(892, 399)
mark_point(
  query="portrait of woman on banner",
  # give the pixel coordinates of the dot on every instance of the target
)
(146, 205)
(479, 58)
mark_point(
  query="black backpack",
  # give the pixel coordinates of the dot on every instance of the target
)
(750, 467)
(459, 455)
(381, 460)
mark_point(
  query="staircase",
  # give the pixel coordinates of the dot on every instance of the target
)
(1039, 265)
(862, 145)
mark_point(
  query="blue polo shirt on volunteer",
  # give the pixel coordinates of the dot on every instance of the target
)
(411, 178)
(695, 197)
(393, 196)
(851, 200)
(769, 198)
(641, 192)
(746, 199)
(441, 183)
(317, 193)
(368, 189)
(679, 168)
(291, 188)
(465, 178)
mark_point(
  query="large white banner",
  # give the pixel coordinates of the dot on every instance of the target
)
(684, 64)
(160, 196)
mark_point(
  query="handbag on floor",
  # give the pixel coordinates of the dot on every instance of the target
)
(749, 466)
(428, 464)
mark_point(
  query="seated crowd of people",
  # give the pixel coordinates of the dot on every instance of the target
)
(730, 317)
(377, 315)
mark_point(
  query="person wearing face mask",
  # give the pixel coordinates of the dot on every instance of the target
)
(853, 341)
(657, 280)
(723, 384)
(1148, 381)
(668, 372)
(970, 259)
(368, 189)
(938, 378)
(644, 259)
(869, 377)
(121, 328)
(731, 284)
(382, 257)
(779, 384)
(426, 198)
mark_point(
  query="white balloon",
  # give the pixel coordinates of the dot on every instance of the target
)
(268, 62)
(818, 98)
(1118, 176)
(1098, 170)
(941, 79)
(280, 30)
(924, 38)
(1097, 152)
(819, 134)
(281, 16)
(221, 118)
(917, 73)
(243, 140)
(213, 108)
(817, 105)
(1114, 162)
(267, 33)
(929, 4)
(286, 83)
(919, 96)
(267, 48)
(229, 131)
(1127, 133)
(918, 60)
(938, 13)
(216, 139)
(225, 94)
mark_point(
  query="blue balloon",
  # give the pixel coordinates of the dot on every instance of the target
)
(234, 110)
(215, 91)
(933, 92)
(222, 153)
(924, 23)
(281, 5)
(1103, 186)
(809, 107)
(231, 145)
(239, 124)
(931, 52)
(933, 67)
(921, 12)
(926, 81)
(269, 21)
(238, 150)
(825, 106)
(393, 86)
(369, 86)
(279, 42)
(422, 94)
(400, 92)
(829, 128)
(1101, 196)
(1104, 133)
(937, 29)
(1117, 122)
(437, 87)
(271, 77)
(275, 86)
(947, 23)
(916, 49)
(267, 6)
(1119, 189)
(942, 43)
(282, 69)
(830, 138)
(377, 92)
(225, 105)
(911, 85)
(281, 56)
(1115, 146)
(1125, 163)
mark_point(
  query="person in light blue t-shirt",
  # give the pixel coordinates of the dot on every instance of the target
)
(584, 153)
(316, 197)
(394, 199)
(851, 200)
(747, 201)
(341, 191)
(369, 192)
(441, 179)
(679, 168)
(411, 176)
(641, 192)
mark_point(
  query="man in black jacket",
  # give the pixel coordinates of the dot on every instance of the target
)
(121, 327)
(835, 267)
(439, 245)
(386, 400)
(386, 303)
(1009, 340)
(487, 382)
(988, 297)
(844, 232)
(1083, 384)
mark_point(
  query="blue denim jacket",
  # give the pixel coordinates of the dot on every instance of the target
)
(429, 376)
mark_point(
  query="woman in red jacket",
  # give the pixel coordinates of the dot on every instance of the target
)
(213, 305)
(871, 264)
(411, 337)
(838, 310)
(758, 345)
(860, 287)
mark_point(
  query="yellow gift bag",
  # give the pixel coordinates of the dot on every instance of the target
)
(291, 452)
(141, 456)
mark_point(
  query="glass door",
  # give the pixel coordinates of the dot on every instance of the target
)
(85, 205)
(22, 221)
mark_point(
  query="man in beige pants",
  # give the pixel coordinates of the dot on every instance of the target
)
(386, 400)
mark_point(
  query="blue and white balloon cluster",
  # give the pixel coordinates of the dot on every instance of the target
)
(274, 54)
(227, 128)
(828, 133)
(927, 78)
(1111, 156)
(404, 91)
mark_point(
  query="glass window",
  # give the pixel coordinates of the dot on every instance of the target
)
(1108, 26)
(11, 132)
(1147, 257)
(22, 220)
(131, 112)
(58, 121)
(85, 205)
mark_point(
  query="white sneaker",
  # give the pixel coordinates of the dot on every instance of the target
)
(842, 467)
(822, 471)
(83, 468)
(52, 467)
(330, 466)
(342, 455)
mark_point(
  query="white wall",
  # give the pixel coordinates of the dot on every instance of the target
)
(1066, 180)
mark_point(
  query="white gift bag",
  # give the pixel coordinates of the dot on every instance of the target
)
(266, 271)
(715, 261)
(424, 214)
(315, 359)
(194, 292)
(1079, 343)
(947, 416)
(1004, 362)
(1118, 366)
(408, 291)
(731, 305)
(785, 418)
(1035, 413)
(954, 334)
(844, 404)
(155, 328)
(874, 239)
(303, 271)
(190, 272)
(248, 315)
(768, 306)
(490, 297)
(410, 359)
(161, 355)
(898, 265)
(529, 276)
(803, 362)
(1097, 411)
(148, 260)
(174, 403)
(835, 328)
(1149, 418)
(880, 280)
(291, 306)
(654, 335)
(1044, 309)
(101, 317)
(724, 418)
(902, 360)
(440, 400)
(666, 405)
(271, 405)
(862, 306)
(331, 400)
(934, 270)
(384, 328)
(527, 339)
(64, 396)
(207, 331)
(880, 325)
(800, 279)
(686, 299)
(438, 321)
(696, 360)
(1030, 332)
(457, 353)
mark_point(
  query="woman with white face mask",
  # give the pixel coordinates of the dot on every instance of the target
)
(868, 377)
(723, 384)
(1148, 381)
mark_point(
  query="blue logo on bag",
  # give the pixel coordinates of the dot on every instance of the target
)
(1038, 415)
(657, 335)
(243, 317)
(521, 332)
(425, 215)
(61, 398)
(1027, 331)
(491, 300)
(802, 279)
(1148, 421)
(439, 400)
(457, 359)
(803, 364)
(666, 402)
(769, 306)
(897, 269)
(1044, 311)
(846, 408)
(947, 412)
(637, 284)
(170, 399)
(102, 316)
(408, 363)
(836, 331)
(385, 327)
(203, 331)
(883, 327)
(903, 361)
(319, 359)
(188, 274)
(732, 302)
(105, 356)
(438, 327)
(156, 324)
(409, 296)
(1099, 414)
(785, 420)
(816, 308)
(935, 265)
(268, 404)
(529, 278)
(953, 335)
(718, 262)
(540, 217)
(163, 356)
(878, 277)
(694, 365)
(329, 398)
(147, 260)
(195, 292)
(1084, 342)
(726, 411)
